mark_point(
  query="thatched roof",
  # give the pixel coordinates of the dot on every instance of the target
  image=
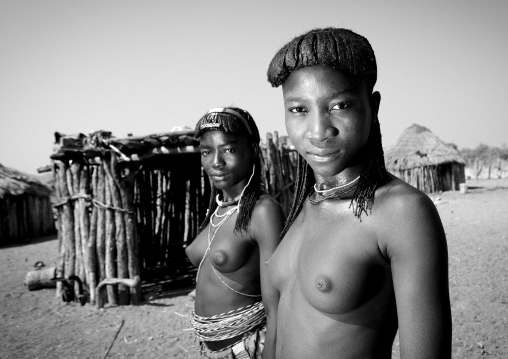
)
(417, 146)
(15, 183)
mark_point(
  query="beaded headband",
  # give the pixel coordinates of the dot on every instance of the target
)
(226, 110)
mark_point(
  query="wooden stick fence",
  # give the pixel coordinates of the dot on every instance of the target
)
(128, 207)
(435, 178)
(25, 207)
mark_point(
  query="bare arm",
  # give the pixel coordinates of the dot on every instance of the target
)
(267, 226)
(417, 249)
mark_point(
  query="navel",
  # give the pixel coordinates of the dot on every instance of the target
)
(323, 284)
(219, 258)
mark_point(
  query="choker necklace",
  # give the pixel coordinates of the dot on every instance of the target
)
(223, 204)
(339, 192)
(237, 199)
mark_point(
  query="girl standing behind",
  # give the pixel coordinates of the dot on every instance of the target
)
(235, 305)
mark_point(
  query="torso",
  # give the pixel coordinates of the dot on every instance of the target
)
(335, 283)
(236, 259)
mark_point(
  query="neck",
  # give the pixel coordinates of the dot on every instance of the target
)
(233, 193)
(342, 179)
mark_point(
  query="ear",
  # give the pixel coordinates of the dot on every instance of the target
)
(255, 149)
(375, 101)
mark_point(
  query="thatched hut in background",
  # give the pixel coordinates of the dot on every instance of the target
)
(25, 207)
(424, 161)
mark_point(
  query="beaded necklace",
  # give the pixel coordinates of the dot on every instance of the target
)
(225, 216)
(223, 204)
(339, 192)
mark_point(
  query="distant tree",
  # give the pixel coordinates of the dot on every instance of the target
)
(468, 156)
(485, 157)
(494, 157)
(477, 158)
(504, 152)
(482, 154)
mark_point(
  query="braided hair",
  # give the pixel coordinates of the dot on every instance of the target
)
(225, 120)
(348, 52)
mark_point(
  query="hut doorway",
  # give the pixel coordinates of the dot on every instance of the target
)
(170, 197)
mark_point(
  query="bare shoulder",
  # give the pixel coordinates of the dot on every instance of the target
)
(405, 216)
(399, 198)
(266, 205)
(267, 219)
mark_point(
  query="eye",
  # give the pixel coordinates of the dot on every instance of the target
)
(341, 106)
(205, 153)
(297, 109)
(230, 150)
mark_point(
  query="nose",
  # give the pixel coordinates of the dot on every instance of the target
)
(320, 127)
(218, 161)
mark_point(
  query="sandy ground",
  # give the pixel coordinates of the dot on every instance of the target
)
(38, 325)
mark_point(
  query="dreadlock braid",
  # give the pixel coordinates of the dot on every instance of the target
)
(249, 199)
(228, 122)
(372, 174)
(351, 53)
(303, 185)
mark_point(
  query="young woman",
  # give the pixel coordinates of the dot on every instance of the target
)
(364, 253)
(235, 307)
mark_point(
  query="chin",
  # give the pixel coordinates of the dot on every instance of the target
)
(221, 185)
(326, 169)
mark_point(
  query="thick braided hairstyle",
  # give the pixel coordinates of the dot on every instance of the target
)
(228, 122)
(346, 51)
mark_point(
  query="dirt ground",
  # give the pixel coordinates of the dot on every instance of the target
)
(38, 325)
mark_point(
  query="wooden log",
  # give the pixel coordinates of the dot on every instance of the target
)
(167, 214)
(91, 262)
(110, 258)
(121, 245)
(68, 222)
(42, 278)
(84, 222)
(132, 283)
(101, 222)
(75, 174)
(125, 185)
(61, 247)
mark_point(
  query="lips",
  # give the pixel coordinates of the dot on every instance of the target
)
(218, 175)
(323, 156)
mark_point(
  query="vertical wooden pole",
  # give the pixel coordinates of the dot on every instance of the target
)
(110, 258)
(101, 222)
(126, 186)
(121, 246)
(60, 218)
(84, 221)
(91, 255)
(68, 222)
(75, 174)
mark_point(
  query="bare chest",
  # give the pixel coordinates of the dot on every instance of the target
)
(226, 251)
(329, 259)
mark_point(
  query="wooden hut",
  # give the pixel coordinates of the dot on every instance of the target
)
(129, 207)
(424, 161)
(25, 207)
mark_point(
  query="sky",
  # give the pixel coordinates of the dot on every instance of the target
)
(145, 67)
